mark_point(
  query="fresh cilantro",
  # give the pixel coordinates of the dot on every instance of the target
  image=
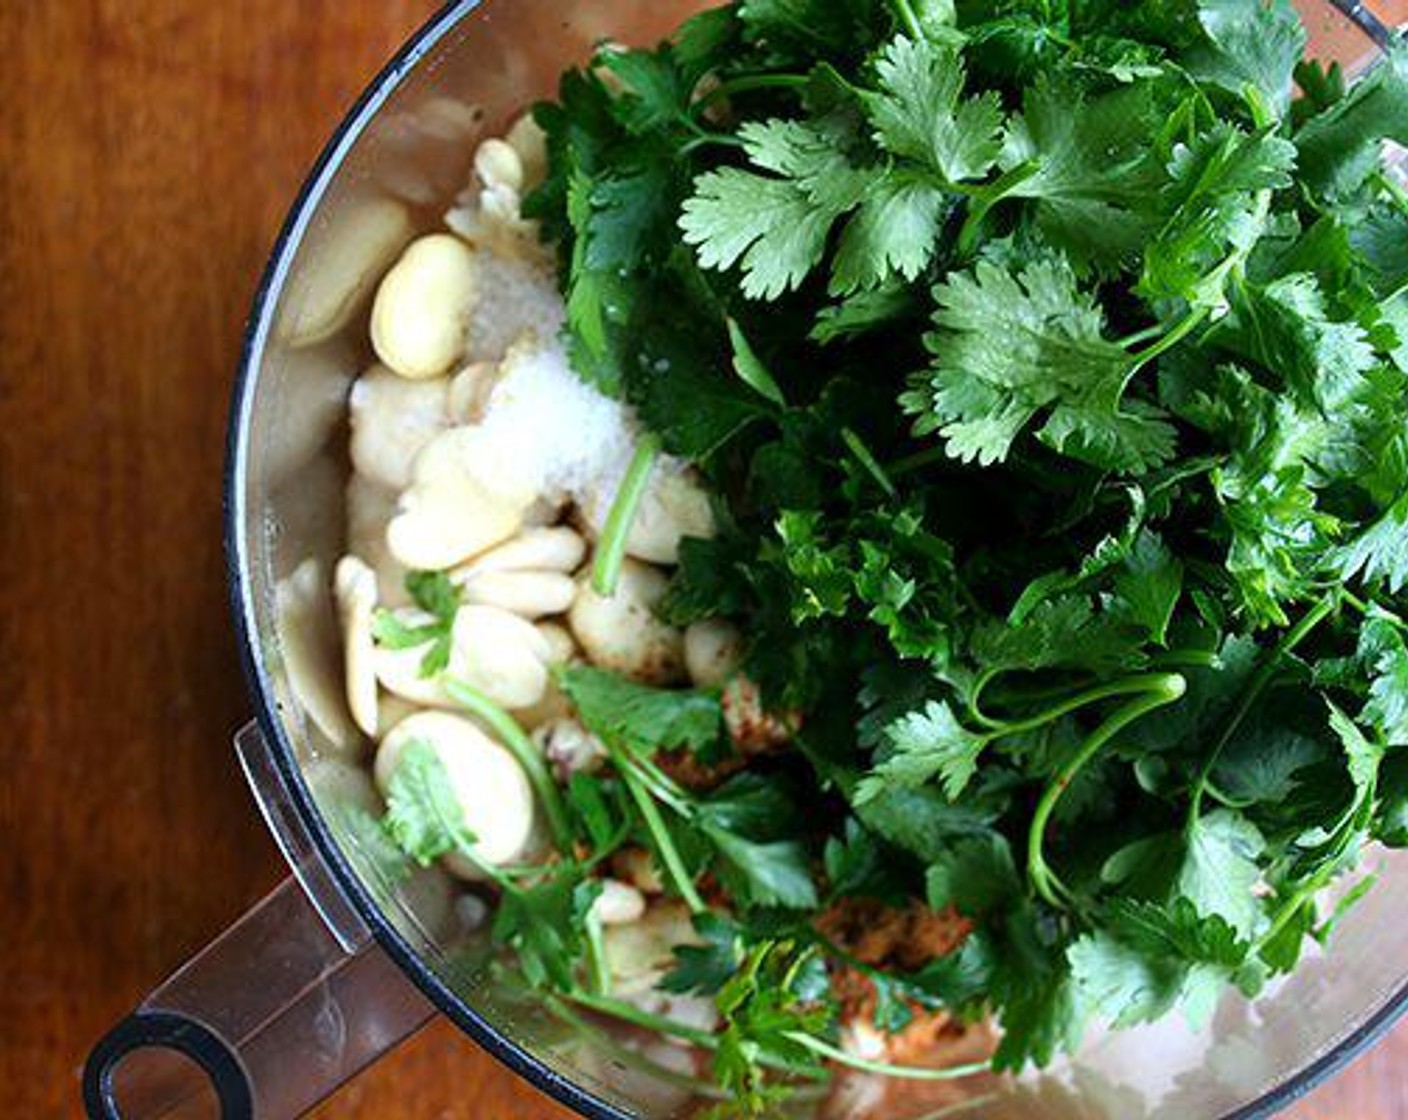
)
(437, 596)
(1254, 44)
(919, 113)
(1047, 364)
(753, 826)
(706, 968)
(922, 746)
(647, 719)
(422, 813)
(545, 924)
(1012, 348)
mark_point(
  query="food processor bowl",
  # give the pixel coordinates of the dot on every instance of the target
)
(348, 958)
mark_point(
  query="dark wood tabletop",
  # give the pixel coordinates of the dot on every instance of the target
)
(147, 154)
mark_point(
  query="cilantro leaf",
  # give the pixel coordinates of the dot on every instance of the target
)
(1285, 327)
(1382, 648)
(437, 596)
(707, 967)
(1380, 551)
(1218, 208)
(921, 746)
(1152, 957)
(544, 923)
(1220, 869)
(775, 227)
(644, 718)
(1251, 43)
(1011, 347)
(1092, 172)
(895, 232)
(919, 112)
(1149, 584)
(423, 816)
(977, 877)
(1340, 148)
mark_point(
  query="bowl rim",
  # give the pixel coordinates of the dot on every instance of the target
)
(561, 1088)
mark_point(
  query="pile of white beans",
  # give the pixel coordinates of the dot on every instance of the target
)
(433, 491)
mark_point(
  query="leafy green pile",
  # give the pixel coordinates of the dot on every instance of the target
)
(1049, 360)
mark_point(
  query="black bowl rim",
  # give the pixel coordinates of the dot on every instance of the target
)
(515, 1057)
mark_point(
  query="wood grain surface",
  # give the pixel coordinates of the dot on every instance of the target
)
(147, 153)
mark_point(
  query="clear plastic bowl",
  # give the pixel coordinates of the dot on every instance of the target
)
(340, 964)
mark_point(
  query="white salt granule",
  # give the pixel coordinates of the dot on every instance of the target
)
(514, 296)
(543, 417)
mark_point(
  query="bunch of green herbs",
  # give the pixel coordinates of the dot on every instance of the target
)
(1049, 362)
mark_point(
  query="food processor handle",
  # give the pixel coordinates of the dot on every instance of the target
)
(286, 1005)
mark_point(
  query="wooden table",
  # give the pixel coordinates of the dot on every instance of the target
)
(147, 153)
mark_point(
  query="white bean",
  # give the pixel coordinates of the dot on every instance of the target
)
(501, 655)
(486, 781)
(420, 318)
(554, 549)
(569, 747)
(621, 632)
(354, 585)
(529, 594)
(463, 500)
(674, 506)
(497, 163)
(363, 238)
(393, 419)
(619, 904)
(554, 704)
(640, 954)
(561, 646)
(308, 643)
(496, 652)
(531, 143)
(470, 390)
(712, 650)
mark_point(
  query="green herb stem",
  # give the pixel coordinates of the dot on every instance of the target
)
(918, 461)
(905, 1073)
(1390, 186)
(749, 83)
(664, 844)
(868, 461)
(671, 1028)
(627, 1056)
(1155, 692)
(528, 756)
(598, 972)
(611, 549)
(904, 11)
(1128, 686)
(1265, 672)
(630, 1013)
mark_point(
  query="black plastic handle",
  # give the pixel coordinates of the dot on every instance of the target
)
(165, 1030)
